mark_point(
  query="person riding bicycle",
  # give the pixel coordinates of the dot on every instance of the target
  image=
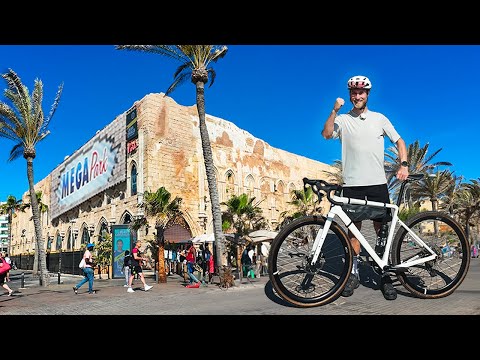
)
(362, 132)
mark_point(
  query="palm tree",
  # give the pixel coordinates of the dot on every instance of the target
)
(449, 202)
(9, 208)
(433, 187)
(104, 250)
(23, 122)
(304, 202)
(195, 64)
(43, 208)
(336, 175)
(243, 216)
(418, 159)
(468, 203)
(158, 205)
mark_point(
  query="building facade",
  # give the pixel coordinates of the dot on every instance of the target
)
(4, 231)
(157, 143)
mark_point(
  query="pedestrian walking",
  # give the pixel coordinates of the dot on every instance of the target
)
(3, 275)
(191, 258)
(9, 262)
(126, 266)
(136, 268)
(88, 271)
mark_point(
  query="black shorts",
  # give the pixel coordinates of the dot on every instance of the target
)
(378, 193)
(136, 269)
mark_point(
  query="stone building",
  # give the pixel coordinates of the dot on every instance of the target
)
(157, 143)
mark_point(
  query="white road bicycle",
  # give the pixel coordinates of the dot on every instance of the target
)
(311, 258)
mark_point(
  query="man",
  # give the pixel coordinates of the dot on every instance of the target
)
(137, 261)
(362, 133)
(118, 256)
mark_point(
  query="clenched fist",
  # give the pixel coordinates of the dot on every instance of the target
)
(338, 104)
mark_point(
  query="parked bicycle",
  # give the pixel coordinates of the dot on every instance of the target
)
(311, 258)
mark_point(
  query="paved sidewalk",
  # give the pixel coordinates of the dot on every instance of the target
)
(247, 298)
(60, 298)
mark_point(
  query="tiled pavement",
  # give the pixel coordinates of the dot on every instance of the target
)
(247, 298)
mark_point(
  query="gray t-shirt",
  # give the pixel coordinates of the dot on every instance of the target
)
(363, 146)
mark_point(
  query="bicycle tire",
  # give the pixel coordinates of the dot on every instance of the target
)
(440, 277)
(289, 271)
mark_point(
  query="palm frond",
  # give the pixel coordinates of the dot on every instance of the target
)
(16, 152)
(178, 81)
(54, 107)
(211, 75)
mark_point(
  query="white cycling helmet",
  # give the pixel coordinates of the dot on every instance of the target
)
(359, 82)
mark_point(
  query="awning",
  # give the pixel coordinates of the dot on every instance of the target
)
(209, 238)
(262, 235)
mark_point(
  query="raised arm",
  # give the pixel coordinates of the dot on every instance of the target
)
(329, 124)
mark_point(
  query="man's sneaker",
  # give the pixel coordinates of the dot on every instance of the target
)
(388, 290)
(125, 285)
(195, 285)
(147, 287)
(75, 290)
(352, 284)
(130, 290)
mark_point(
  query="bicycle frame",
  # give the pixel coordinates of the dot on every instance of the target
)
(382, 262)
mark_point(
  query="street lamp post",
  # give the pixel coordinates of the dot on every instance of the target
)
(72, 242)
(62, 235)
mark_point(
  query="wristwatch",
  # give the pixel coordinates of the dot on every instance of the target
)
(404, 163)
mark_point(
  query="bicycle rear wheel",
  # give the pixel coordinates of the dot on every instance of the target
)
(291, 273)
(440, 277)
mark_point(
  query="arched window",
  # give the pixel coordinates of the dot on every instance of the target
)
(103, 230)
(85, 236)
(230, 184)
(58, 245)
(249, 186)
(127, 219)
(133, 179)
(69, 239)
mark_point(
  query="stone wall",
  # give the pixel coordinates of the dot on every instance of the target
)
(170, 155)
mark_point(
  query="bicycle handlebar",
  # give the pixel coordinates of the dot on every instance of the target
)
(321, 185)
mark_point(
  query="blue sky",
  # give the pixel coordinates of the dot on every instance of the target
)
(279, 93)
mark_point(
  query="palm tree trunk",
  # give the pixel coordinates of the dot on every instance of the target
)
(162, 275)
(44, 278)
(35, 261)
(36, 268)
(10, 235)
(212, 181)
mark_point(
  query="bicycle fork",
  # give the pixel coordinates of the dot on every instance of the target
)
(319, 240)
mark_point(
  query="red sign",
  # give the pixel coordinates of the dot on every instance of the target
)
(132, 146)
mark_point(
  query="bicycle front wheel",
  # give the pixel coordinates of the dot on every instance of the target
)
(440, 277)
(291, 272)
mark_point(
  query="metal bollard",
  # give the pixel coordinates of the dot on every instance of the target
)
(22, 281)
(59, 278)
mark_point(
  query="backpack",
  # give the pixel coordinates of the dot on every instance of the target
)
(127, 260)
(200, 260)
(245, 258)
